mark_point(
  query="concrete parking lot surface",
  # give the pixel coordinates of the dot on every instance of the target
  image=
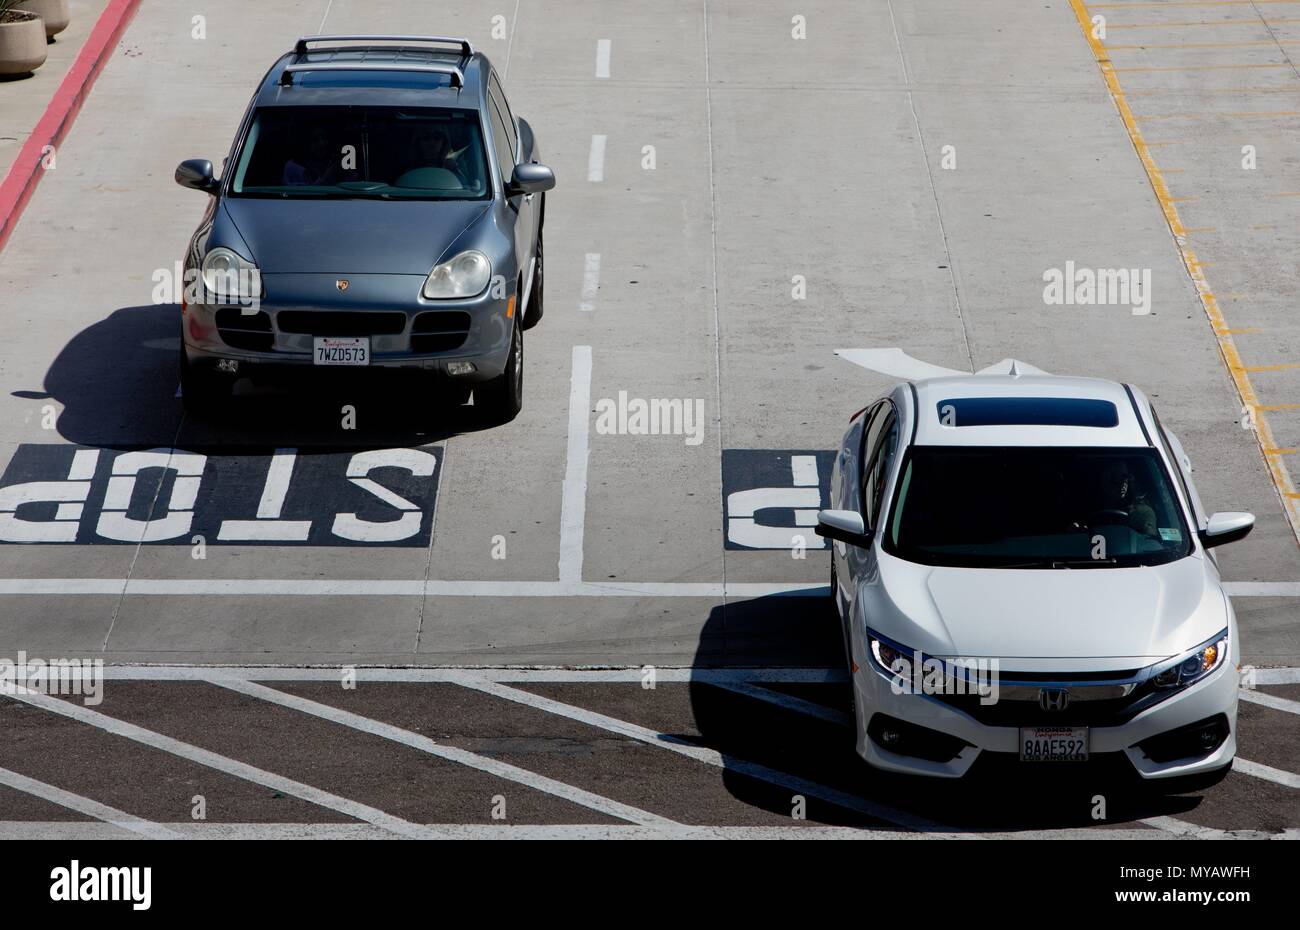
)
(742, 191)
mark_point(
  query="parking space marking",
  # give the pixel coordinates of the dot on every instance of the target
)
(709, 756)
(590, 281)
(1266, 772)
(789, 702)
(1277, 676)
(573, 500)
(400, 587)
(456, 674)
(59, 830)
(1278, 471)
(596, 159)
(221, 763)
(120, 820)
(463, 757)
(1270, 700)
(602, 58)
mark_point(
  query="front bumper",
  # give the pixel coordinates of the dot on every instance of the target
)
(406, 331)
(1215, 695)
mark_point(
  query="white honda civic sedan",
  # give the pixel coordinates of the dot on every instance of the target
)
(1024, 574)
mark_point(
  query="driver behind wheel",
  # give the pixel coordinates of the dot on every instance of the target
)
(1120, 492)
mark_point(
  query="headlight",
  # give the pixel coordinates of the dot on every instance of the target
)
(466, 275)
(1192, 665)
(229, 278)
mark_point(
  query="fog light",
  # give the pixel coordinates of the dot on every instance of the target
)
(461, 368)
(228, 365)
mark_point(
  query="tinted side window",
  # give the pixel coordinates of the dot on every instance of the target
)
(504, 150)
(878, 469)
(499, 98)
(872, 421)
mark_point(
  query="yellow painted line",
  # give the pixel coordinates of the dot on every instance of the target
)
(1248, 331)
(1217, 22)
(1277, 406)
(1208, 67)
(1171, 5)
(1205, 92)
(1282, 452)
(1227, 346)
(1129, 48)
(1286, 367)
(1217, 114)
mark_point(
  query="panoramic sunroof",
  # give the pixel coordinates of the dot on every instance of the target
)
(1027, 411)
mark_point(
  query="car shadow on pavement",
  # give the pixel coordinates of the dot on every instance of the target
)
(118, 382)
(814, 742)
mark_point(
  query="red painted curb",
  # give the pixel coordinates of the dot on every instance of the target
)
(25, 173)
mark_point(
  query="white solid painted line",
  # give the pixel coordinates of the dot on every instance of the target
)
(120, 820)
(1277, 676)
(1264, 699)
(602, 58)
(663, 675)
(450, 753)
(793, 783)
(360, 587)
(596, 159)
(789, 702)
(573, 500)
(276, 488)
(400, 587)
(1266, 772)
(1262, 588)
(62, 830)
(803, 469)
(590, 281)
(214, 761)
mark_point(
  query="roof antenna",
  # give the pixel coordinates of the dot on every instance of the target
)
(1014, 371)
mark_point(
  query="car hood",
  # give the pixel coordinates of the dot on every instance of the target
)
(350, 236)
(1114, 613)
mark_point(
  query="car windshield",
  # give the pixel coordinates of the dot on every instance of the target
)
(1035, 507)
(408, 153)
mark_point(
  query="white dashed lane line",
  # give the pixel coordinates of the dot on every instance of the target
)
(596, 159)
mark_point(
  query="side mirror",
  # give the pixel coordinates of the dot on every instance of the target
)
(531, 179)
(1226, 527)
(196, 174)
(846, 526)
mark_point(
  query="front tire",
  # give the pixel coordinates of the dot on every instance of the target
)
(501, 399)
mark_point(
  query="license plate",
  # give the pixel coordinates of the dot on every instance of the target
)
(1053, 744)
(334, 350)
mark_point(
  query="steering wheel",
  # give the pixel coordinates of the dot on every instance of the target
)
(1121, 515)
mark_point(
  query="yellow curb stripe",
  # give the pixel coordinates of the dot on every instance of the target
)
(1227, 346)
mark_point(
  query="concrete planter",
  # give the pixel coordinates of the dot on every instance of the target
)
(22, 44)
(54, 13)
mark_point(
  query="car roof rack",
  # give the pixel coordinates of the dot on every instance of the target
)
(377, 43)
(301, 46)
(457, 76)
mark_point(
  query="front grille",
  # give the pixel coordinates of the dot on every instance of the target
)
(340, 322)
(248, 331)
(440, 331)
(1018, 712)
